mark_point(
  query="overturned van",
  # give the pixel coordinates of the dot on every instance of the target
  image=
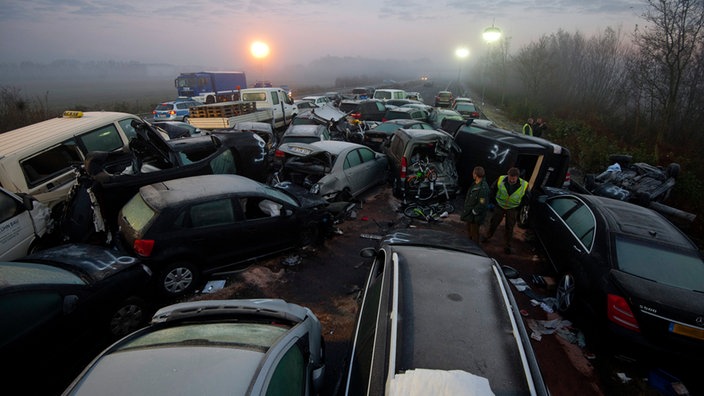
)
(542, 163)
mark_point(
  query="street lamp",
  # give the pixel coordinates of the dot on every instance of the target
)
(491, 35)
(461, 53)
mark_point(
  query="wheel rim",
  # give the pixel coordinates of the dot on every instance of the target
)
(524, 214)
(565, 293)
(127, 319)
(178, 280)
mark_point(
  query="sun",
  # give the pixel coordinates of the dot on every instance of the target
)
(259, 49)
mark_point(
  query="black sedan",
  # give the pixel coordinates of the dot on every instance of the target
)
(187, 227)
(61, 302)
(377, 136)
(626, 266)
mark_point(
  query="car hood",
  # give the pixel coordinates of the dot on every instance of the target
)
(96, 262)
(324, 114)
(659, 299)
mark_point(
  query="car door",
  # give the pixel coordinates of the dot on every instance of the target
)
(268, 232)
(560, 242)
(16, 228)
(363, 169)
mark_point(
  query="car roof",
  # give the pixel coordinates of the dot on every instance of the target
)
(195, 188)
(336, 146)
(457, 284)
(57, 129)
(634, 220)
(513, 139)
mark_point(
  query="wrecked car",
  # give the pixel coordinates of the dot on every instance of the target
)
(639, 183)
(335, 170)
(107, 183)
(422, 164)
(186, 228)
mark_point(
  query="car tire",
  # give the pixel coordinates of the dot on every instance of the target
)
(565, 293)
(130, 316)
(523, 216)
(210, 100)
(310, 234)
(178, 279)
(185, 119)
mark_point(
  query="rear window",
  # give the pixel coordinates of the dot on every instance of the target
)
(137, 213)
(347, 107)
(660, 264)
(165, 106)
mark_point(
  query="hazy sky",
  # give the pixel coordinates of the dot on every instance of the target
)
(219, 32)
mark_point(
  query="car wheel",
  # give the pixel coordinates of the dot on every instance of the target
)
(185, 119)
(209, 100)
(310, 234)
(565, 293)
(523, 213)
(396, 188)
(178, 279)
(130, 316)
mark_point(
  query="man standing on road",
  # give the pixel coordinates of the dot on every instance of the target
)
(475, 204)
(528, 127)
(511, 190)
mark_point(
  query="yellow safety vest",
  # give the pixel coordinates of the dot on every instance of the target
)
(510, 201)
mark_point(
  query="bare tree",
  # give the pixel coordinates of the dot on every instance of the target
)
(667, 59)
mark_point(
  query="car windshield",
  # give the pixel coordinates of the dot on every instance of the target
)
(386, 127)
(464, 107)
(660, 264)
(300, 139)
(253, 335)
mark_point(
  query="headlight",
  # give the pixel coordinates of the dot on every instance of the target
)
(315, 189)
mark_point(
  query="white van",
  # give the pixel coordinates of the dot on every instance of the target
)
(387, 94)
(22, 222)
(275, 99)
(37, 159)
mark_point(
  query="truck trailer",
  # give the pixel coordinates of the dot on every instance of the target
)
(210, 87)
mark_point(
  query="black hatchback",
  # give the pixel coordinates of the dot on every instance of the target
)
(185, 228)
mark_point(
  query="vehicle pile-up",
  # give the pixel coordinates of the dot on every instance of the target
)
(145, 210)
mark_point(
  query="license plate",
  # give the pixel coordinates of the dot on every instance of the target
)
(299, 150)
(687, 331)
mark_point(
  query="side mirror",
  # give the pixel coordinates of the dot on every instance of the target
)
(28, 202)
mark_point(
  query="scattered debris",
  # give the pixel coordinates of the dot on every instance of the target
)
(213, 286)
(623, 377)
(291, 260)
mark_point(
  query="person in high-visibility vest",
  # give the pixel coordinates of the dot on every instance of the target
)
(511, 190)
(528, 127)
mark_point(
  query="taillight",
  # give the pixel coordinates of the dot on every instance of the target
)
(568, 177)
(172, 112)
(404, 163)
(618, 311)
(154, 112)
(356, 115)
(279, 154)
(143, 247)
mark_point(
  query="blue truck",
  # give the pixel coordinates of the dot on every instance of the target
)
(210, 87)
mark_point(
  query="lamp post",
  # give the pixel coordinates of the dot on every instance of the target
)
(461, 53)
(491, 35)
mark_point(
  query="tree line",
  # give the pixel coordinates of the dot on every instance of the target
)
(639, 92)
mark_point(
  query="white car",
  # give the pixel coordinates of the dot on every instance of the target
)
(320, 101)
(23, 221)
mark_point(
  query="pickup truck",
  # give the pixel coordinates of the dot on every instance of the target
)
(270, 105)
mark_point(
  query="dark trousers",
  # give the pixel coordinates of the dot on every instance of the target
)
(499, 214)
(473, 231)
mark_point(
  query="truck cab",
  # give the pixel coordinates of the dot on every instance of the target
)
(275, 99)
